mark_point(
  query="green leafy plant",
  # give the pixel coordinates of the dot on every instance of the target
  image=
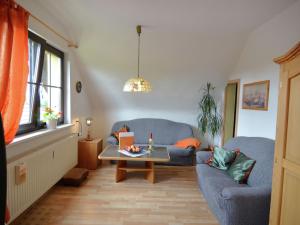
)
(50, 114)
(209, 119)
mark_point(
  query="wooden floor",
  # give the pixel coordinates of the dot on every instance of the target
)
(173, 200)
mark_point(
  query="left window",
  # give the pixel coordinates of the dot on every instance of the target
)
(45, 84)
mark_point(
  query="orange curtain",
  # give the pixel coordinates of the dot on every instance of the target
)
(7, 215)
(13, 65)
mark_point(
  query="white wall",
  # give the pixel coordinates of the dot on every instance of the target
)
(184, 45)
(177, 65)
(77, 105)
(270, 40)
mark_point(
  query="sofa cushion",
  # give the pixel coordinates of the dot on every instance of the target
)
(165, 132)
(261, 150)
(204, 172)
(188, 142)
(178, 156)
(178, 151)
(221, 158)
(203, 156)
(241, 168)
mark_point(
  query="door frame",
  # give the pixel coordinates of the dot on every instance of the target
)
(237, 81)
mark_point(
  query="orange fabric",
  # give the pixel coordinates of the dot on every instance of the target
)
(7, 215)
(13, 65)
(184, 143)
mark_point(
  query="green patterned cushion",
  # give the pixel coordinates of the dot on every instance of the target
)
(222, 158)
(241, 168)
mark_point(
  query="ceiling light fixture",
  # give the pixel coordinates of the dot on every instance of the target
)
(137, 84)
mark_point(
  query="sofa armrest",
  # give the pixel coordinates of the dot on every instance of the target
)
(202, 156)
(111, 140)
(191, 150)
(246, 205)
(235, 193)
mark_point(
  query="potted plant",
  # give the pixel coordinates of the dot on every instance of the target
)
(209, 119)
(51, 117)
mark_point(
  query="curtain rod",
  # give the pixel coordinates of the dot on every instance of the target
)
(71, 44)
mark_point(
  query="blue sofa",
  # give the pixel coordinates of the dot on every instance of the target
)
(165, 133)
(239, 204)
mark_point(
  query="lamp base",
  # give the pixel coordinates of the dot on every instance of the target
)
(88, 137)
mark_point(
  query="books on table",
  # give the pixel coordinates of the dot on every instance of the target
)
(126, 139)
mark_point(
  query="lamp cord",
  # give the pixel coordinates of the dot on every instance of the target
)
(139, 44)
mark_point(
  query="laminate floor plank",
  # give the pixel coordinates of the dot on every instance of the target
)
(174, 199)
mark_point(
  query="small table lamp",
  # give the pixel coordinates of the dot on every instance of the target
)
(89, 123)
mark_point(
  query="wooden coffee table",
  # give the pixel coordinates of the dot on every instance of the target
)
(158, 154)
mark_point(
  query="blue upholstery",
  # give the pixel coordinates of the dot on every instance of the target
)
(203, 156)
(165, 133)
(239, 204)
(111, 140)
(260, 149)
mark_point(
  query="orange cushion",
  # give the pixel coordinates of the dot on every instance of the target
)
(185, 143)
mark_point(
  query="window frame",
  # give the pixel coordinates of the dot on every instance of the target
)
(61, 55)
(36, 124)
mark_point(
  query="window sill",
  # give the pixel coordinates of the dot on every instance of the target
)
(40, 133)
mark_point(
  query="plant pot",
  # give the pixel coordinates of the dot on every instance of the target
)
(52, 124)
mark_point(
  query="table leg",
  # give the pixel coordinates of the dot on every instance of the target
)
(121, 174)
(150, 175)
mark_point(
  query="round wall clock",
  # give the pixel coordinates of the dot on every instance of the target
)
(78, 86)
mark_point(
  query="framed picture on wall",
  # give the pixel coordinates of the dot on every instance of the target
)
(256, 95)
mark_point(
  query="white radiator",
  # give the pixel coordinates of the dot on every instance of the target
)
(45, 167)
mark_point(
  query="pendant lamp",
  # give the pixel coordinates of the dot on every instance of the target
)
(137, 84)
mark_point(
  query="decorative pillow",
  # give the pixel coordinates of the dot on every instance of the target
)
(115, 134)
(221, 158)
(188, 142)
(241, 168)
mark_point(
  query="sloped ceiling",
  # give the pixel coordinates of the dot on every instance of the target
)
(185, 43)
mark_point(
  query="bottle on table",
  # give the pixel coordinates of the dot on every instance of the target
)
(150, 142)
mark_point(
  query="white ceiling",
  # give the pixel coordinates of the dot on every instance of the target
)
(198, 39)
(207, 17)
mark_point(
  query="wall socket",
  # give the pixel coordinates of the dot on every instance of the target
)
(20, 173)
